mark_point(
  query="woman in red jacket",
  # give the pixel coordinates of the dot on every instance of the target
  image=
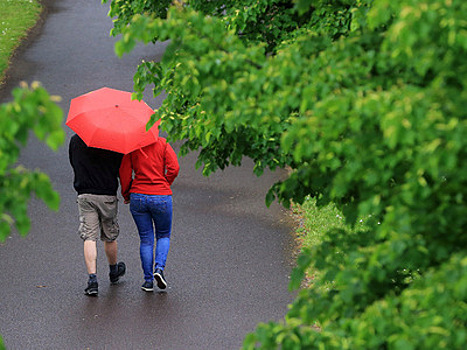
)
(148, 191)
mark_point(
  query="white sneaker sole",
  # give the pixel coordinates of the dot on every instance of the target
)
(91, 293)
(160, 281)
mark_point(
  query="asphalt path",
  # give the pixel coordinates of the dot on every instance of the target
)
(230, 259)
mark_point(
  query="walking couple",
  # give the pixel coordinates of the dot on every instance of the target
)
(145, 179)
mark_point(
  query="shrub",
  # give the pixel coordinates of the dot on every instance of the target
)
(365, 102)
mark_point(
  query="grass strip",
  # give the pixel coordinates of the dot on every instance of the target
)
(313, 223)
(16, 18)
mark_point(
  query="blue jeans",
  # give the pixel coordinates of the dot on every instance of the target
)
(152, 212)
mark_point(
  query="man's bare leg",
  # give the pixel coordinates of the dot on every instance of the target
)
(111, 250)
(90, 256)
(116, 270)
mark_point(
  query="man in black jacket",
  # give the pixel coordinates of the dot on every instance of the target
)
(96, 181)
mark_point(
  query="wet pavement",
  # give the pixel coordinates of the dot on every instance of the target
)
(230, 256)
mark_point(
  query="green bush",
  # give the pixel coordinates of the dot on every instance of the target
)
(33, 109)
(366, 102)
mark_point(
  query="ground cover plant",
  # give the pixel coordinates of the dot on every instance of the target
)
(16, 18)
(312, 224)
(364, 100)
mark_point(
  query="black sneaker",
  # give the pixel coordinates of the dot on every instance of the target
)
(91, 289)
(159, 277)
(121, 269)
(147, 286)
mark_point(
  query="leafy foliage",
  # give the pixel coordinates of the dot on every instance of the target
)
(31, 108)
(365, 101)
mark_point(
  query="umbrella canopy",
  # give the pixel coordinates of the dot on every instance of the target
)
(109, 119)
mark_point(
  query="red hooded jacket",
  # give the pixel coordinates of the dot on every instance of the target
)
(155, 168)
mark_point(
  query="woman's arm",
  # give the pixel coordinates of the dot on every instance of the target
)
(126, 172)
(171, 163)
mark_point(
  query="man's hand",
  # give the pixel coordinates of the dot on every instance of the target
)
(126, 201)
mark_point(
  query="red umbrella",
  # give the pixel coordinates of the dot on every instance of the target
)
(109, 119)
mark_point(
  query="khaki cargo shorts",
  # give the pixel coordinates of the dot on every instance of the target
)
(98, 217)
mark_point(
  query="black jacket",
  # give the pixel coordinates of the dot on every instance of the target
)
(96, 170)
